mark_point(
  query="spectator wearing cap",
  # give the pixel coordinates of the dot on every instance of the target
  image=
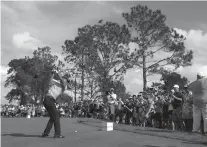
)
(177, 108)
(119, 111)
(199, 91)
(187, 109)
(129, 109)
(170, 107)
(150, 109)
(158, 112)
(112, 100)
(96, 107)
(141, 106)
(166, 115)
(134, 119)
(107, 101)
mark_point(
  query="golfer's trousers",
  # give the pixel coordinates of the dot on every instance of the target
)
(49, 104)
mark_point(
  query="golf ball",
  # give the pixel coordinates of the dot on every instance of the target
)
(75, 131)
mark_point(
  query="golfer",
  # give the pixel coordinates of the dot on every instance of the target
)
(56, 87)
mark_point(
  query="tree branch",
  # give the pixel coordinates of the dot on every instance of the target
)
(156, 50)
(151, 61)
(138, 65)
(160, 61)
(116, 72)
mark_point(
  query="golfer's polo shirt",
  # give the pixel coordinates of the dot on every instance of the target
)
(199, 90)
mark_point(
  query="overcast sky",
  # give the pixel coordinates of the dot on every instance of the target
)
(28, 25)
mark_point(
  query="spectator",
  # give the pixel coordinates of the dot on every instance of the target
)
(112, 100)
(177, 108)
(134, 105)
(150, 110)
(187, 109)
(199, 91)
(170, 110)
(158, 112)
(142, 105)
(128, 110)
(119, 110)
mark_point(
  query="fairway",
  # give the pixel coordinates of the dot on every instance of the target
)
(22, 132)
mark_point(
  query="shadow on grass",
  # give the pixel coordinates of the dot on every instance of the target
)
(157, 146)
(201, 143)
(20, 135)
(151, 146)
(154, 130)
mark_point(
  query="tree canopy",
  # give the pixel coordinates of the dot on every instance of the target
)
(158, 45)
(99, 50)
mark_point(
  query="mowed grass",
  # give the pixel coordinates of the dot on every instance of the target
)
(22, 132)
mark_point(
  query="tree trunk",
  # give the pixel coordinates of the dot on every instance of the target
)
(36, 99)
(82, 86)
(75, 89)
(144, 73)
(23, 99)
(105, 84)
(92, 89)
(82, 78)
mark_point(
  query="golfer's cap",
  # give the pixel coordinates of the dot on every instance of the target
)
(176, 86)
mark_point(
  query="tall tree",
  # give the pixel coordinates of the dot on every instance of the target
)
(159, 46)
(19, 80)
(29, 77)
(104, 51)
(110, 49)
(77, 51)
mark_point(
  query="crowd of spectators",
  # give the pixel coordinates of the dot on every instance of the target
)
(152, 109)
(10, 110)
